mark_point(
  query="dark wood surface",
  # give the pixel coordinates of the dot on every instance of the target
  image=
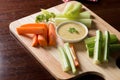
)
(15, 61)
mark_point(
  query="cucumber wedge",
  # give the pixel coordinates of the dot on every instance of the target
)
(64, 60)
(106, 46)
(90, 42)
(69, 55)
(98, 47)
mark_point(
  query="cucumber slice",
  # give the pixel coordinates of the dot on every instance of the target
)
(106, 46)
(90, 42)
(98, 47)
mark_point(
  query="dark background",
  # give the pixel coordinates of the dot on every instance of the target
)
(15, 61)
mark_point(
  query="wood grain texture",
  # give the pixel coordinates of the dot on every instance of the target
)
(49, 57)
(15, 62)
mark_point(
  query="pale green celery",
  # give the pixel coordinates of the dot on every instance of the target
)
(60, 20)
(74, 12)
(98, 57)
(64, 60)
(87, 22)
(84, 15)
(60, 15)
(67, 50)
(106, 46)
(68, 7)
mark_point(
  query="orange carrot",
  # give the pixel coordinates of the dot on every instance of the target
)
(33, 28)
(35, 40)
(51, 35)
(76, 62)
(35, 25)
(30, 30)
(42, 41)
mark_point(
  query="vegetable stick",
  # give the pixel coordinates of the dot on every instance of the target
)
(35, 40)
(51, 35)
(26, 28)
(30, 30)
(41, 24)
(106, 46)
(64, 59)
(42, 41)
(98, 48)
(68, 7)
(76, 62)
(87, 22)
(84, 15)
(67, 50)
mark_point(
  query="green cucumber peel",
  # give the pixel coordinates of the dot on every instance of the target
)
(98, 48)
(106, 46)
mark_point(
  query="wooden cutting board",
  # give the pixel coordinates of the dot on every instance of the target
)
(49, 56)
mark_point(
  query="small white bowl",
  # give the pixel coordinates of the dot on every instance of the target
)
(72, 40)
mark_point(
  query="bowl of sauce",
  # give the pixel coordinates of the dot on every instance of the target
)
(72, 31)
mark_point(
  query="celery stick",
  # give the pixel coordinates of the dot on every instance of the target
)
(64, 59)
(60, 20)
(60, 16)
(84, 15)
(67, 50)
(87, 22)
(98, 48)
(68, 7)
(106, 46)
(74, 12)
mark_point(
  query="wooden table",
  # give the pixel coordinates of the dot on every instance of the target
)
(15, 62)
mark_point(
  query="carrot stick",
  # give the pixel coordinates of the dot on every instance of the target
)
(42, 41)
(35, 40)
(35, 25)
(51, 35)
(33, 28)
(76, 62)
(30, 30)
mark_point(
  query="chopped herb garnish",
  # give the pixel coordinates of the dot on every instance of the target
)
(73, 30)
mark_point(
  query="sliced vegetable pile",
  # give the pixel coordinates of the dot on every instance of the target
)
(101, 45)
(44, 34)
(98, 47)
(74, 12)
(71, 12)
(68, 58)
